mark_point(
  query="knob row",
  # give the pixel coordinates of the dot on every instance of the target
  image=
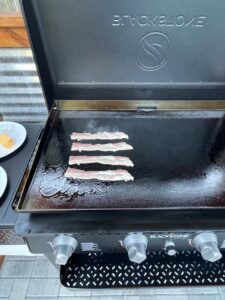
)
(136, 246)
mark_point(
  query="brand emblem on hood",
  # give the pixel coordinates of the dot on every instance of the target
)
(153, 51)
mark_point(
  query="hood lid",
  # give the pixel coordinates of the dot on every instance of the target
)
(128, 49)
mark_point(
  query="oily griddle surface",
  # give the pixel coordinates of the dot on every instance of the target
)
(178, 162)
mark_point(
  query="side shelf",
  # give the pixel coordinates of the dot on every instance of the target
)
(15, 166)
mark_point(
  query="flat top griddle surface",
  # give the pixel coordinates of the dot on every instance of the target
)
(178, 161)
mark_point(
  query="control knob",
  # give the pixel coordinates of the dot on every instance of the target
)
(206, 244)
(64, 246)
(136, 244)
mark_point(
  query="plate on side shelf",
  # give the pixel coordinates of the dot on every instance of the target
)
(16, 132)
(3, 181)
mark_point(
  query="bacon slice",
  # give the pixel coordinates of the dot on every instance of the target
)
(110, 147)
(117, 135)
(109, 175)
(104, 160)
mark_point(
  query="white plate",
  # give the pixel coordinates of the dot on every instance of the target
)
(3, 181)
(17, 132)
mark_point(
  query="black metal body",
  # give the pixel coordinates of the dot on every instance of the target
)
(127, 221)
(132, 50)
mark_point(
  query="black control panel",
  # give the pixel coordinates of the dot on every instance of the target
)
(208, 243)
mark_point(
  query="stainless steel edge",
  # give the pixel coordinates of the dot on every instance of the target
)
(136, 104)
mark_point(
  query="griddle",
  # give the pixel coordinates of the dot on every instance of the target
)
(178, 162)
(85, 59)
(155, 70)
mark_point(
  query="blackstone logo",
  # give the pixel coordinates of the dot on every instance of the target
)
(160, 20)
(153, 51)
(169, 236)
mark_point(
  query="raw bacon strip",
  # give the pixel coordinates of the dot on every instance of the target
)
(109, 175)
(110, 147)
(117, 135)
(104, 160)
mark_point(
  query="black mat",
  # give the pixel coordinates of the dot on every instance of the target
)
(98, 270)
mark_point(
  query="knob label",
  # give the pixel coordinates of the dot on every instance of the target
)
(89, 247)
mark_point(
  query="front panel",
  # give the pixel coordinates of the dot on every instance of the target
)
(157, 241)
